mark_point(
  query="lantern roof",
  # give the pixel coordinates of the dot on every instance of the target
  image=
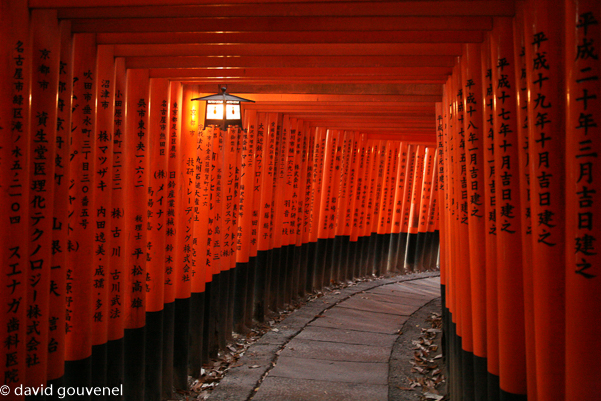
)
(224, 96)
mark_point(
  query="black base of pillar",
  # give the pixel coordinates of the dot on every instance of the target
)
(494, 387)
(240, 297)
(311, 248)
(505, 396)
(181, 320)
(320, 258)
(153, 356)
(467, 374)
(197, 311)
(79, 374)
(168, 340)
(135, 362)
(99, 367)
(250, 292)
(60, 382)
(480, 379)
(410, 253)
(260, 286)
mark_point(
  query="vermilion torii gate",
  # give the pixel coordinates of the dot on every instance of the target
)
(135, 239)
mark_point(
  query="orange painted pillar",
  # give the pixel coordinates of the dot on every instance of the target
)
(81, 245)
(348, 186)
(326, 159)
(366, 167)
(245, 276)
(442, 208)
(277, 244)
(432, 232)
(260, 162)
(317, 171)
(116, 254)
(15, 54)
(333, 199)
(521, 66)
(172, 225)
(60, 215)
(307, 260)
(424, 208)
(289, 218)
(300, 190)
(512, 351)
(475, 170)
(230, 216)
(382, 239)
(102, 194)
(490, 201)
(546, 108)
(406, 208)
(583, 113)
(266, 212)
(354, 205)
(136, 219)
(156, 233)
(45, 58)
(413, 220)
(180, 278)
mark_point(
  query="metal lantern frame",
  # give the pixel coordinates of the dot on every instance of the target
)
(222, 103)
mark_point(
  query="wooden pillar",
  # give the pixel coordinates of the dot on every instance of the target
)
(546, 85)
(521, 66)
(474, 141)
(512, 351)
(490, 201)
(81, 247)
(582, 137)
(102, 194)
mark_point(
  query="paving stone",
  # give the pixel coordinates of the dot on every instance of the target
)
(371, 305)
(285, 389)
(334, 371)
(360, 320)
(299, 348)
(338, 335)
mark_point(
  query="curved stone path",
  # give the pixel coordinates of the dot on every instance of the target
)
(334, 348)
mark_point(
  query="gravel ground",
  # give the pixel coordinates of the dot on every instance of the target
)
(416, 371)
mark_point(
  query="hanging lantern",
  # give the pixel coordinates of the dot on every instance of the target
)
(223, 109)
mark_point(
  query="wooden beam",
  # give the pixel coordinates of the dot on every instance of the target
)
(327, 9)
(241, 24)
(306, 49)
(302, 38)
(280, 74)
(289, 61)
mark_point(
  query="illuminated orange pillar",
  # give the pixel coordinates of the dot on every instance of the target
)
(15, 54)
(546, 108)
(45, 59)
(364, 192)
(81, 246)
(136, 219)
(475, 170)
(413, 223)
(490, 201)
(583, 259)
(397, 209)
(521, 66)
(406, 207)
(424, 208)
(102, 194)
(354, 204)
(56, 359)
(260, 161)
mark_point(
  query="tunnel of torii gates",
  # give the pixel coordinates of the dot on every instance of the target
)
(135, 239)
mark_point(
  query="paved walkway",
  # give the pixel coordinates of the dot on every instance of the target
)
(334, 348)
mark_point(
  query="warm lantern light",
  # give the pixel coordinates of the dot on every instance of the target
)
(193, 116)
(223, 109)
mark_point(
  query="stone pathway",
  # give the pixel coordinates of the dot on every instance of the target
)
(334, 348)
